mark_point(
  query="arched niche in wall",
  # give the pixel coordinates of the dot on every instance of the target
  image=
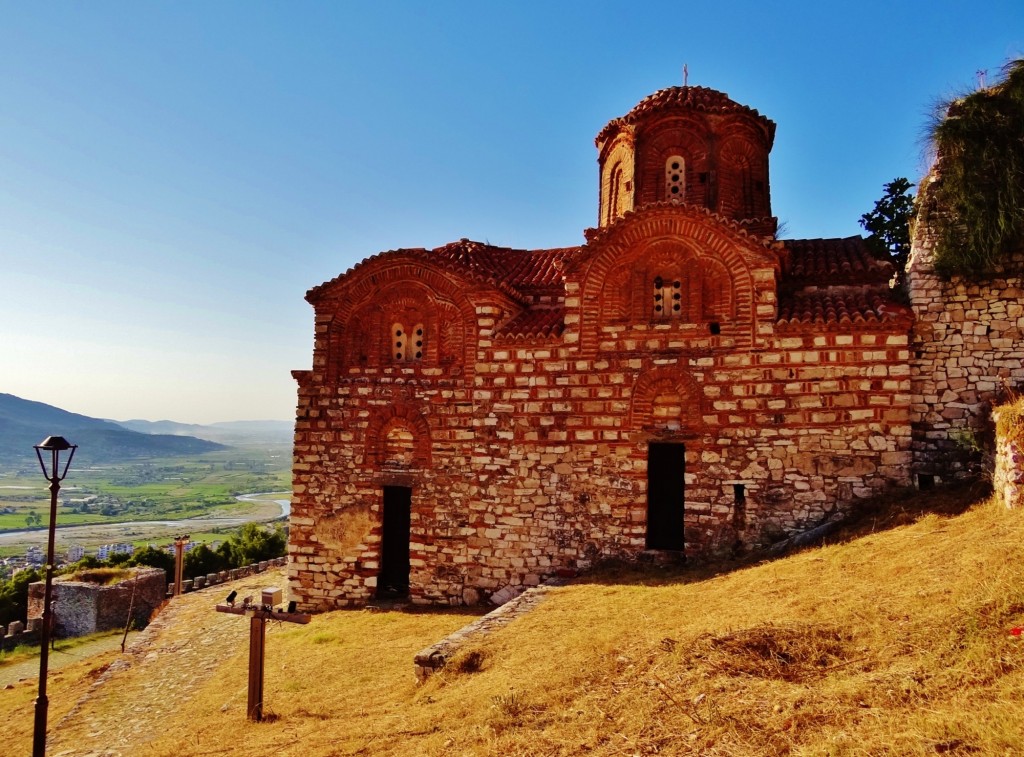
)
(667, 401)
(668, 280)
(637, 263)
(743, 176)
(616, 195)
(685, 139)
(398, 438)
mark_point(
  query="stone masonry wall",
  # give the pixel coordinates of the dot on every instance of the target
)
(968, 350)
(82, 608)
(540, 465)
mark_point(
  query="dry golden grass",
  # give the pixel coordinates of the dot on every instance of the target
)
(893, 642)
(63, 687)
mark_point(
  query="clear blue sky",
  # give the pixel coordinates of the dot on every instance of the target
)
(175, 176)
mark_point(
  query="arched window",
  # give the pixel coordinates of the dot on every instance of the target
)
(614, 200)
(675, 178)
(668, 298)
(408, 346)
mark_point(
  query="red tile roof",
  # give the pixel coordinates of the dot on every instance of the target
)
(522, 269)
(539, 323)
(824, 283)
(832, 261)
(524, 275)
(823, 308)
(691, 98)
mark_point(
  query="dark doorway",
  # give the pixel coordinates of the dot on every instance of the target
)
(393, 579)
(666, 464)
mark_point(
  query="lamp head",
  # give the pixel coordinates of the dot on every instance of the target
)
(55, 445)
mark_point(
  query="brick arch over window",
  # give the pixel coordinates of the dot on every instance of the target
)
(683, 137)
(667, 400)
(359, 333)
(669, 281)
(611, 279)
(398, 436)
(743, 176)
(616, 195)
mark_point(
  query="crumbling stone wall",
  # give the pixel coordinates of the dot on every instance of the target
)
(1008, 478)
(82, 608)
(968, 350)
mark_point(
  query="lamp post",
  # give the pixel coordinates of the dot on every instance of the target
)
(180, 542)
(54, 445)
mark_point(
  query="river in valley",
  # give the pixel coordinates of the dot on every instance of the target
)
(268, 506)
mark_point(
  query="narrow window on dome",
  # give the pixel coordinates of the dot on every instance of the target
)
(675, 178)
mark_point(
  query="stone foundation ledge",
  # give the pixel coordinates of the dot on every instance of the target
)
(18, 633)
(214, 579)
(431, 659)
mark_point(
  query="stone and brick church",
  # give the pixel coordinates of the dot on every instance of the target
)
(480, 418)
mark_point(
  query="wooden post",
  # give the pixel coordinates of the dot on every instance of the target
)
(258, 616)
(257, 643)
(179, 561)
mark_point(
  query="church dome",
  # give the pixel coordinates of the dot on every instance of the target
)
(689, 145)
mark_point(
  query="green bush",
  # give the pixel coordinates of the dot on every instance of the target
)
(14, 596)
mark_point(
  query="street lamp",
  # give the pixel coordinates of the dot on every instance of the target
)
(54, 445)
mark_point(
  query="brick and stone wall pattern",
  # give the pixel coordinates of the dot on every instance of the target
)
(967, 352)
(539, 462)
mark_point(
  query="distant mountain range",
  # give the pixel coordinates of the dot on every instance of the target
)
(235, 433)
(24, 423)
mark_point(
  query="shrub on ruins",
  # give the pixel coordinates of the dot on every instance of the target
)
(976, 201)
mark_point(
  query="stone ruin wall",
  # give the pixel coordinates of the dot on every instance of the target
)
(540, 465)
(82, 608)
(968, 352)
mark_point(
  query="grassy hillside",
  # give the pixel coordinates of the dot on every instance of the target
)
(896, 641)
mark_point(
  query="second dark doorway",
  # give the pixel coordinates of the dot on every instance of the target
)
(666, 484)
(393, 579)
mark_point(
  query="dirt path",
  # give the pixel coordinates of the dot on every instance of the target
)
(59, 658)
(168, 661)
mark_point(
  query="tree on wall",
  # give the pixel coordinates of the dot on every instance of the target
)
(253, 543)
(154, 558)
(979, 189)
(889, 224)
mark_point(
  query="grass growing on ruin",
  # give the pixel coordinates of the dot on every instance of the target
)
(100, 576)
(893, 641)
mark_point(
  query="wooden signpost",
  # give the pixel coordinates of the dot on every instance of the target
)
(258, 615)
